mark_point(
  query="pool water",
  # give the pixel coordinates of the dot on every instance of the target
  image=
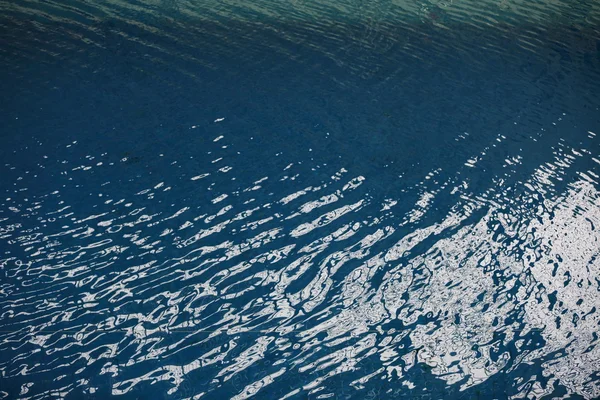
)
(299, 200)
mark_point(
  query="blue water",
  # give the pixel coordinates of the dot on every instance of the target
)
(299, 200)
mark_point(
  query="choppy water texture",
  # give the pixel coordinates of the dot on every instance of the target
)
(289, 200)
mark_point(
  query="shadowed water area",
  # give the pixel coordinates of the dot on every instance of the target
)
(299, 200)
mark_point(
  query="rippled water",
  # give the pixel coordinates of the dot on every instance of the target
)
(305, 199)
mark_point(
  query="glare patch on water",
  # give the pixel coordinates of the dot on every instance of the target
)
(155, 285)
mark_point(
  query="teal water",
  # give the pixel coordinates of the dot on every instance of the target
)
(299, 200)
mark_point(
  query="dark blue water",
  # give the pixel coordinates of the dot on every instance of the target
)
(291, 200)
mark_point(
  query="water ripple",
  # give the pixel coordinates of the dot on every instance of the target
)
(299, 200)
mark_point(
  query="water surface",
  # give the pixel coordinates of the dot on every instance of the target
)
(273, 200)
